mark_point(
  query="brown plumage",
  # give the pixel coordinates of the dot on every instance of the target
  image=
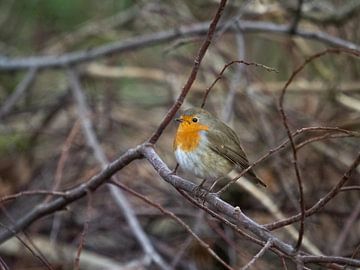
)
(208, 148)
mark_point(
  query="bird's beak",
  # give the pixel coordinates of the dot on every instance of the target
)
(179, 120)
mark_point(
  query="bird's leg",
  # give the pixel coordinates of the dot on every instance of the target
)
(173, 172)
(197, 190)
(217, 180)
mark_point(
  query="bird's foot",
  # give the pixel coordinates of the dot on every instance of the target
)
(200, 193)
(173, 172)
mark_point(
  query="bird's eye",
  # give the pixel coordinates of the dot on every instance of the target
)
(195, 119)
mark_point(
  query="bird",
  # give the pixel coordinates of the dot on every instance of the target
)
(207, 148)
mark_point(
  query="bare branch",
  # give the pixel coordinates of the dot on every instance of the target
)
(214, 201)
(221, 73)
(174, 217)
(33, 252)
(21, 88)
(84, 232)
(31, 193)
(72, 195)
(322, 202)
(296, 17)
(186, 88)
(258, 255)
(329, 259)
(346, 229)
(117, 194)
(144, 41)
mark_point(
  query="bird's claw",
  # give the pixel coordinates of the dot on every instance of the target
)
(200, 193)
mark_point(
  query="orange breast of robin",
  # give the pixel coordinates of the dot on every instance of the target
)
(188, 135)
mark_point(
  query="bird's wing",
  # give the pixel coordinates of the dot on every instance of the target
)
(227, 145)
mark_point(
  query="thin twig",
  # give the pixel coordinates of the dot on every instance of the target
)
(117, 195)
(282, 146)
(21, 88)
(291, 139)
(221, 73)
(177, 219)
(348, 188)
(322, 202)
(39, 257)
(258, 255)
(3, 264)
(295, 160)
(32, 193)
(296, 17)
(346, 229)
(64, 156)
(71, 195)
(84, 231)
(186, 88)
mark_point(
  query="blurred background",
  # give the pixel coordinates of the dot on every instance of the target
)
(128, 93)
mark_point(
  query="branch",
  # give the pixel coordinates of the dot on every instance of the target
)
(296, 17)
(214, 201)
(64, 254)
(21, 88)
(221, 73)
(231, 212)
(185, 90)
(258, 255)
(322, 202)
(329, 259)
(71, 195)
(117, 194)
(175, 218)
(295, 160)
(290, 136)
(145, 41)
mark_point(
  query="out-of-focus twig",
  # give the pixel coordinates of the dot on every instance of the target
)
(31, 250)
(84, 232)
(139, 42)
(64, 156)
(258, 255)
(24, 85)
(31, 193)
(296, 17)
(64, 254)
(174, 217)
(118, 196)
(322, 202)
(350, 102)
(346, 229)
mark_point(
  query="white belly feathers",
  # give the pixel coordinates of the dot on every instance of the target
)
(201, 161)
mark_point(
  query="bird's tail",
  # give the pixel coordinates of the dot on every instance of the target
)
(253, 178)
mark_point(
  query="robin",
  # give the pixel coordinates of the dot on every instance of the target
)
(206, 147)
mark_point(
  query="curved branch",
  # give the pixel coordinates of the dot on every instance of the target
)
(322, 202)
(71, 195)
(139, 42)
(185, 90)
